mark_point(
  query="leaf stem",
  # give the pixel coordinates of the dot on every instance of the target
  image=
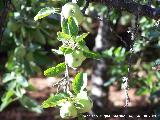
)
(66, 83)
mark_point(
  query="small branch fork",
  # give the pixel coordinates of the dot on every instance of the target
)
(64, 82)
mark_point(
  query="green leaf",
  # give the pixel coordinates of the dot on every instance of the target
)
(35, 67)
(10, 63)
(81, 44)
(73, 26)
(91, 54)
(6, 99)
(19, 91)
(20, 51)
(80, 2)
(22, 80)
(64, 25)
(55, 100)
(66, 50)
(11, 85)
(45, 12)
(79, 105)
(8, 77)
(62, 36)
(117, 51)
(81, 37)
(55, 71)
(30, 104)
(80, 82)
(31, 87)
(143, 91)
(39, 37)
(69, 26)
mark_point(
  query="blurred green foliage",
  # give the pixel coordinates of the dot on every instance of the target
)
(26, 44)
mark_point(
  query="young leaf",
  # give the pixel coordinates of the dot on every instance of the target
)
(65, 50)
(62, 36)
(80, 82)
(55, 71)
(11, 85)
(55, 100)
(81, 37)
(45, 12)
(6, 99)
(19, 91)
(81, 44)
(91, 54)
(8, 77)
(64, 25)
(73, 26)
(21, 80)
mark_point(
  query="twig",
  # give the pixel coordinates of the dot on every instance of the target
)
(133, 32)
(59, 82)
(111, 29)
(126, 88)
(119, 37)
(66, 84)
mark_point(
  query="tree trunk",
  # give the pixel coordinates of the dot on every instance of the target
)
(99, 76)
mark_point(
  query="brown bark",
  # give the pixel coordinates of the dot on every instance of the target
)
(100, 76)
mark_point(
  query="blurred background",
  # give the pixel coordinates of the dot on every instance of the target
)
(25, 52)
